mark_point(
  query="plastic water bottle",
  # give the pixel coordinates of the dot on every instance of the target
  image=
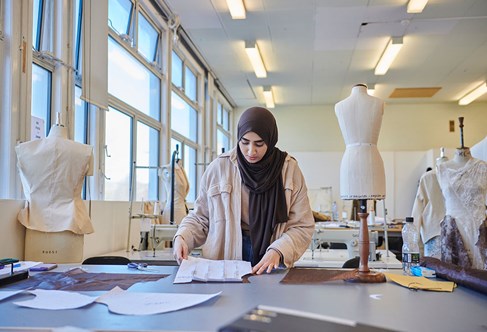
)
(410, 246)
(334, 211)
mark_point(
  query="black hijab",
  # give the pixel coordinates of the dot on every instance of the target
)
(267, 200)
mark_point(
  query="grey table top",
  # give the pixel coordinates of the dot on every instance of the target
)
(386, 305)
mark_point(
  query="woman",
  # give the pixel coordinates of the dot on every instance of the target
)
(252, 204)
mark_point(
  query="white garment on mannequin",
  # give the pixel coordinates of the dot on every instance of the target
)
(429, 207)
(362, 174)
(181, 190)
(52, 172)
(463, 182)
(479, 150)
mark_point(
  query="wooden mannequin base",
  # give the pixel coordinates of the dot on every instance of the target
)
(367, 277)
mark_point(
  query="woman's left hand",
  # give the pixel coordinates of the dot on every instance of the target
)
(269, 262)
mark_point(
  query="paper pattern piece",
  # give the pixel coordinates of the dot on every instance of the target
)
(7, 294)
(56, 300)
(201, 269)
(137, 303)
(421, 283)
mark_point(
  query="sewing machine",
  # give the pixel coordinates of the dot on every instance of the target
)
(159, 234)
(348, 236)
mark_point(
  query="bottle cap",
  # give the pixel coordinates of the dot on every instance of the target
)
(409, 219)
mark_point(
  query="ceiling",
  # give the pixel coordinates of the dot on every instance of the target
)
(316, 50)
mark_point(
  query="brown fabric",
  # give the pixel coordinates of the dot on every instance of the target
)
(78, 280)
(452, 247)
(267, 199)
(471, 278)
(304, 276)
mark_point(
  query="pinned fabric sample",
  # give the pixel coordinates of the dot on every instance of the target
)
(207, 270)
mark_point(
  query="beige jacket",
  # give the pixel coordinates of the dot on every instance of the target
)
(215, 222)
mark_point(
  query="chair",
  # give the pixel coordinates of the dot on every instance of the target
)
(352, 263)
(107, 260)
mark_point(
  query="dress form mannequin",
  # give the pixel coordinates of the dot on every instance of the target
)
(362, 174)
(52, 171)
(181, 190)
(429, 210)
(463, 182)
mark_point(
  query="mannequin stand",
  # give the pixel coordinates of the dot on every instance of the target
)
(363, 273)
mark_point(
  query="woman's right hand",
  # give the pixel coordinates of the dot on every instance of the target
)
(180, 249)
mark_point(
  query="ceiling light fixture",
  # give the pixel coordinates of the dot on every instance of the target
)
(237, 9)
(474, 94)
(393, 47)
(269, 97)
(416, 6)
(255, 58)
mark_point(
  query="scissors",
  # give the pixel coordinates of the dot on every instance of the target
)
(137, 266)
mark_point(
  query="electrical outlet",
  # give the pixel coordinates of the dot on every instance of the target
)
(452, 126)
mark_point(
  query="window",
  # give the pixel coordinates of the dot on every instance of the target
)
(148, 39)
(143, 92)
(42, 40)
(223, 129)
(177, 70)
(119, 16)
(41, 98)
(184, 118)
(147, 184)
(118, 158)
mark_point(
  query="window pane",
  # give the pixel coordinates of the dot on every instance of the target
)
(118, 162)
(41, 95)
(219, 115)
(132, 82)
(147, 155)
(77, 40)
(36, 24)
(80, 116)
(226, 122)
(190, 168)
(190, 84)
(177, 70)
(119, 15)
(183, 117)
(148, 38)
(222, 142)
(47, 27)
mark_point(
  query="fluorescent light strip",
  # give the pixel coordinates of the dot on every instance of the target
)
(255, 58)
(474, 94)
(237, 9)
(393, 47)
(269, 97)
(416, 6)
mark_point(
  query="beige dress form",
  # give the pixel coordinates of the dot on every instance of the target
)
(362, 173)
(181, 190)
(52, 171)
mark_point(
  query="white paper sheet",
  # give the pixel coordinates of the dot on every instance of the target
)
(136, 303)
(7, 294)
(201, 269)
(56, 300)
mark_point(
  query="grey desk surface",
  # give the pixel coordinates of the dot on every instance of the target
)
(386, 305)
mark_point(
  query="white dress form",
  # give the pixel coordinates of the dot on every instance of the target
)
(52, 171)
(362, 174)
(463, 182)
(181, 190)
